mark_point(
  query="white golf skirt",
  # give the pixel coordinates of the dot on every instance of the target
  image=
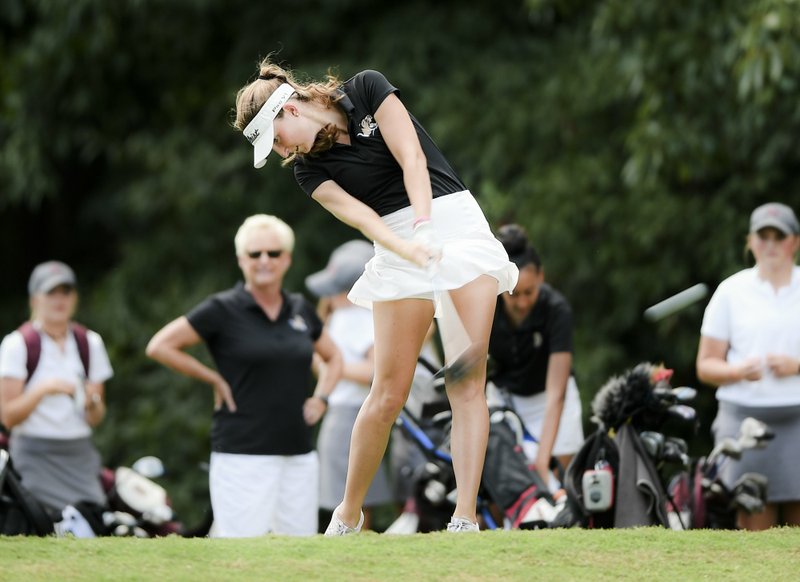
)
(469, 250)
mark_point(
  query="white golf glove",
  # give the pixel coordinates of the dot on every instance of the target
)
(425, 235)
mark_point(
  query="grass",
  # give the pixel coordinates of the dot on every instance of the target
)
(637, 554)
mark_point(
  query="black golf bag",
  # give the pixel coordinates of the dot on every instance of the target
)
(20, 512)
(507, 479)
(612, 481)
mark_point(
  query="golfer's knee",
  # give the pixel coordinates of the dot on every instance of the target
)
(386, 405)
(470, 392)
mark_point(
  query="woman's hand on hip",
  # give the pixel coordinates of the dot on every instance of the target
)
(313, 409)
(222, 393)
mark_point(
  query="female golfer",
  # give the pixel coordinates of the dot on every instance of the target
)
(357, 151)
(750, 349)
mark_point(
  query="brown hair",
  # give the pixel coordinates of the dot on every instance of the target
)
(251, 98)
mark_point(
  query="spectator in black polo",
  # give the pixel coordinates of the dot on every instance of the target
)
(264, 473)
(530, 351)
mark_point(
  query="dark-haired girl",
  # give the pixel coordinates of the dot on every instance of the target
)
(531, 354)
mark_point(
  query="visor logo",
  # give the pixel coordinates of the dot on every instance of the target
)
(253, 135)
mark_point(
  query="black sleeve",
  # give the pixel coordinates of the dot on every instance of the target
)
(560, 326)
(206, 319)
(374, 88)
(309, 176)
(369, 89)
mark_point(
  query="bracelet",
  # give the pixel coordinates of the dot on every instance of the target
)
(421, 220)
(322, 397)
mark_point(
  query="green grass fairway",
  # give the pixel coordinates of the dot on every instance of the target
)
(641, 554)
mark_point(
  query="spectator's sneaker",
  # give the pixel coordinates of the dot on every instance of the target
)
(338, 528)
(462, 525)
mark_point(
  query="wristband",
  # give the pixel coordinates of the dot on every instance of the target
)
(322, 397)
(421, 220)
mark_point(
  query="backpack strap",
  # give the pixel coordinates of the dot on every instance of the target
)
(33, 345)
(82, 339)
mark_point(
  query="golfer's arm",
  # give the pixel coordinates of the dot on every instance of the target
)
(167, 347)
(355, 213)
(401, 138)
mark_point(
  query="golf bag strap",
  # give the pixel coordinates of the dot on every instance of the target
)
(33, 346)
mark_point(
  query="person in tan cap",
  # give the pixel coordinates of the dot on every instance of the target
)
(750, 350)
(52, 383)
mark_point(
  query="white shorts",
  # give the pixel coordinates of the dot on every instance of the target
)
(469, 250)
(252, 495)
(530, 409)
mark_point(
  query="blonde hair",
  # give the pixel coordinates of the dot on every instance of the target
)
(265, 222)
(251, 98)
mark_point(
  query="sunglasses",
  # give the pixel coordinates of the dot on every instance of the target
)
(272, 254)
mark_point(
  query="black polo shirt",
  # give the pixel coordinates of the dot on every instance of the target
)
(268, 366)
(366, 169)
(519, 356)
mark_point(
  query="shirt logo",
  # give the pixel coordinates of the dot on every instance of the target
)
(368, 127)
(297, 323)
(538, 340)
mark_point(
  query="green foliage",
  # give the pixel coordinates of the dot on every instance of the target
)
(631, 138)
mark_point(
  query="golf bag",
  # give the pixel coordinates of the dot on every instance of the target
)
(701, 497)
(613, 480)
(20, 512)
(613, 483)
(507, 479)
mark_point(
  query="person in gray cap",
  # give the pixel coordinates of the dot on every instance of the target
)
(750, 349)
(350, 327)
(52, 383)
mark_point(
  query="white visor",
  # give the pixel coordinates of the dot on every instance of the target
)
(259, 131)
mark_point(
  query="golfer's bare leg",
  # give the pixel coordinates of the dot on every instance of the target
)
(400, 329)
(475, 303)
